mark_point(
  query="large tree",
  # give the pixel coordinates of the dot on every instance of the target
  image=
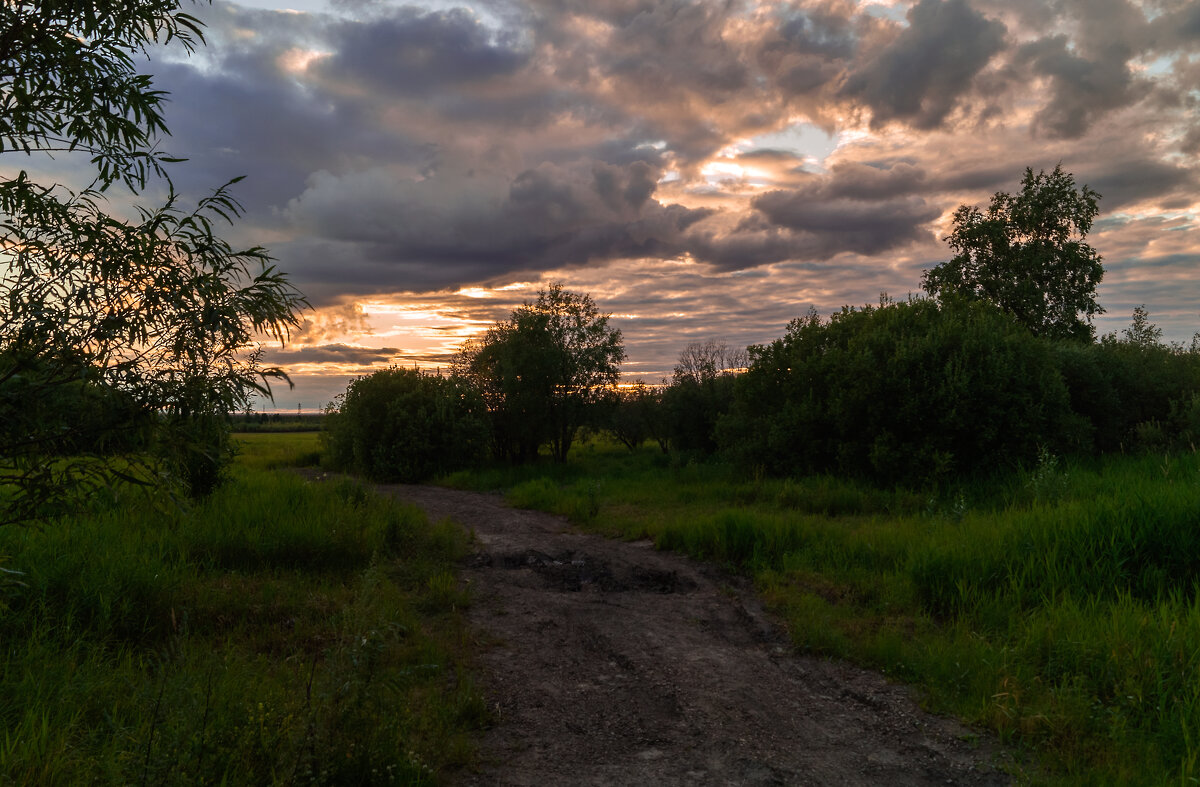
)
(158, 308)
(701, 391)
(1026, 254)
(542, 370)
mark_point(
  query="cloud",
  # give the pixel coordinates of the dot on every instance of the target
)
(863, 182)
(397, 152)
(325, 324)
(1081, 89)
(411, 52)
(341, 354)
(920, 77)
(857, 209)
(546, 216)
(1140, 179)
(840, 225)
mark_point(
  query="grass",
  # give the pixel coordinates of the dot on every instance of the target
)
(1057, 606)
(272, 450)
(281, 632)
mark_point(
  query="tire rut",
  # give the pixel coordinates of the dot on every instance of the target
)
(609, 662)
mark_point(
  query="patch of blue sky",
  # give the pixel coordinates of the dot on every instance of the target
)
(896, 11)
(804, 140)
(1159, 67)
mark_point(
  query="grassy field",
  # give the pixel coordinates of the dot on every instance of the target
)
(285, 632)
(280, 632)
(272, 450)
(1057, 607)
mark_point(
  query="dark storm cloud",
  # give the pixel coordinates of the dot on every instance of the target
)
(414, 52)
(547, 215)
(672, 65)
(245, 114)
(838, 224)
(330, 270)
(1141, 178)
(397, 149)
(1081, 89)
(814, 31)
(856, 208)
(678, 45)
(983, 177)
(920, 77)
(753, 243)
(856, 181)
(1179, 27)
(447, 199)
(269, 131)
(807, 49)
(333, 353)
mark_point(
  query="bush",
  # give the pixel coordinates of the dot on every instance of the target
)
(700, 393)
(693, 408)
(907, 392)
(1130, 393)
(406, 425)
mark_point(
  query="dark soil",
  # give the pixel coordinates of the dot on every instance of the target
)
(609, 662)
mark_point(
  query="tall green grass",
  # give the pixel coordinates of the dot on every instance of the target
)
(1057, 606)
(280, 632)
(270, 450)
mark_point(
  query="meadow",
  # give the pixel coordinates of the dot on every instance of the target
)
(287, 632)
(278, 632)
(1055, 606)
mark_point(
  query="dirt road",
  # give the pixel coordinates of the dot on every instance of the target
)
(609, 662)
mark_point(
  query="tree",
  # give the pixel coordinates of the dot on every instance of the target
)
(914, 392)
(703, 361)
(1141, 332)
(636, 414)
(406, 425)
(701, 391)
(157, 309)
(1026, 254)
(542, 370)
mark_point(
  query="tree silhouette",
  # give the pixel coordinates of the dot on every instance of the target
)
(542, 370)
(1026, 254)
(159, 308)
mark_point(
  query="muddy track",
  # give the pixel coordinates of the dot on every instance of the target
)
(609, 662)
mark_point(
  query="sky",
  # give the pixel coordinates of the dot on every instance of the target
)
(705, 170)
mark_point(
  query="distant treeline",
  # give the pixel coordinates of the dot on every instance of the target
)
(997, 365)
(277, 422)
(913, 392)
(922, 391)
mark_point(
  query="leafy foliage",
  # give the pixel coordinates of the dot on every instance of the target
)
(906, 392)
(159, 310)
(406, 425)
(1141, 331)
(636, 414)
(1026, 254)
(701, 391)
(542, 371)
(69, 83)
(1132, 391)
